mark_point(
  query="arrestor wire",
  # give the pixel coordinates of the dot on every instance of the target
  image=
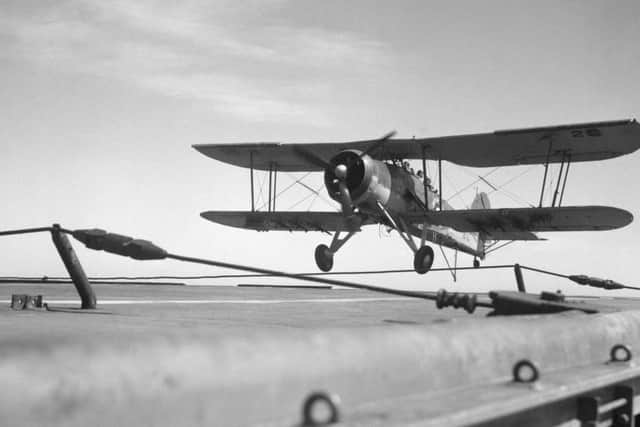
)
(261, 272)
(28, 231)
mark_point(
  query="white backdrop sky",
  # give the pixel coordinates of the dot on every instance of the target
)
(101, 102)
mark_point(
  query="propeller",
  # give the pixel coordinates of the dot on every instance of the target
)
(341, 170)
(345, 197)
(379, 143)
(311, 157)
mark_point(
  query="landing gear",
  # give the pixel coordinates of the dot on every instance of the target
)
(423, 255)
(476, 263)
(324, 253)
(324, 258)
(423, 260)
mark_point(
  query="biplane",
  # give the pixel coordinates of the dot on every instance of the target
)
(373, 184)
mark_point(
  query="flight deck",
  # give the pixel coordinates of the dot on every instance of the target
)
(241, 356)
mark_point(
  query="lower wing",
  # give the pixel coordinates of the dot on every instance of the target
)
(287, 221)
(500, 224)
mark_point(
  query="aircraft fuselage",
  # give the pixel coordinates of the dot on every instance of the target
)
(395, 187)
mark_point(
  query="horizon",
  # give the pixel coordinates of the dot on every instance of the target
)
(103, 102)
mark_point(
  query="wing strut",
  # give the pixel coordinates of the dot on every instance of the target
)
(253, 206)
(546, 169)
(273, 176)
(555, 193)
(273, 181)
(440, 180)
(270, 179)
(566, 159)
(424, 181)
(564, 183)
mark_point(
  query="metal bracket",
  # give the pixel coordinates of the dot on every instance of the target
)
(26, 302)
(591, 410)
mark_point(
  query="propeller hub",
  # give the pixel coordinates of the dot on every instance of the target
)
(341, 172)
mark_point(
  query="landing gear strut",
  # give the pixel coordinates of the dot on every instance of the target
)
(423, 255)
(476, 263)
(324, 253)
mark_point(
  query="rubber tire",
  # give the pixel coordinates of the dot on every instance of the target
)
(324, 258)
(476, 263)
(423, 260)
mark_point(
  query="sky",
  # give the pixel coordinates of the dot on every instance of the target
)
(101, 102)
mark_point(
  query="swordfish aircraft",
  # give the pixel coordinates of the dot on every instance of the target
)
(374, 185)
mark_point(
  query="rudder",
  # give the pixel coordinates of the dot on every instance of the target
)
(481, 201)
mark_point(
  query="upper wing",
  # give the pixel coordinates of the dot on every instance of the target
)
(288, 221)
(500, 221)
(583, 141)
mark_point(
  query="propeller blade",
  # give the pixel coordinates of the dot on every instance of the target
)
(311, 157)
(378, 143)
(345, 198)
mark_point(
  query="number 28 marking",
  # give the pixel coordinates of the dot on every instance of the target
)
(580, 133)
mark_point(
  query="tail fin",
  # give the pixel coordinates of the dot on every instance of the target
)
(481, 201)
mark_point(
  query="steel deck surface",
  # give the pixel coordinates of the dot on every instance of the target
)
(158, 354)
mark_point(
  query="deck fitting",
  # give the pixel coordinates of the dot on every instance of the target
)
(525, 371)
(620, 353)
(26, 302)
(74, 268)
(320, 398)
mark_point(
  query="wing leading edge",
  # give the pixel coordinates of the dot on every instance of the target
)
(284, 220)
(581, 141)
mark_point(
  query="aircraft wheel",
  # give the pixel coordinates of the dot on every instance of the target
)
(324, 258)
(423, 260)
(476, 263)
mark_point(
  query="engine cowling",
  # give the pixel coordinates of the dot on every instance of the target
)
(367, 180)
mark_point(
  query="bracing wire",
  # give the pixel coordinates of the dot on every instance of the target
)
(478, 178)
(295, 181)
